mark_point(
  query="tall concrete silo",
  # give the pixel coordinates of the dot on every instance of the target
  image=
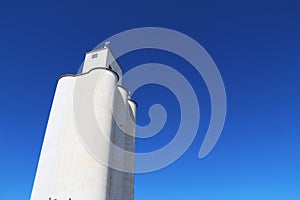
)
(88, 148)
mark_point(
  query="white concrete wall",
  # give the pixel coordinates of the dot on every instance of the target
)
(68, 165)
(111, 61)
(128, 180)
(60, 116)
(117, 187)
(99, 60)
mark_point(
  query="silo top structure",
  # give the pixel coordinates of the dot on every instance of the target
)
(99, 58)
(92, 117)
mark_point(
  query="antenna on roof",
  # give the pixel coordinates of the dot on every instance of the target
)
(106, 45)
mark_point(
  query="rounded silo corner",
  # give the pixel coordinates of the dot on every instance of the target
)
(133, 101)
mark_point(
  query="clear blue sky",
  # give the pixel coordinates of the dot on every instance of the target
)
(255, 45)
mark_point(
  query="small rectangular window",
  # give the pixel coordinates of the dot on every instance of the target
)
(95, 56)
